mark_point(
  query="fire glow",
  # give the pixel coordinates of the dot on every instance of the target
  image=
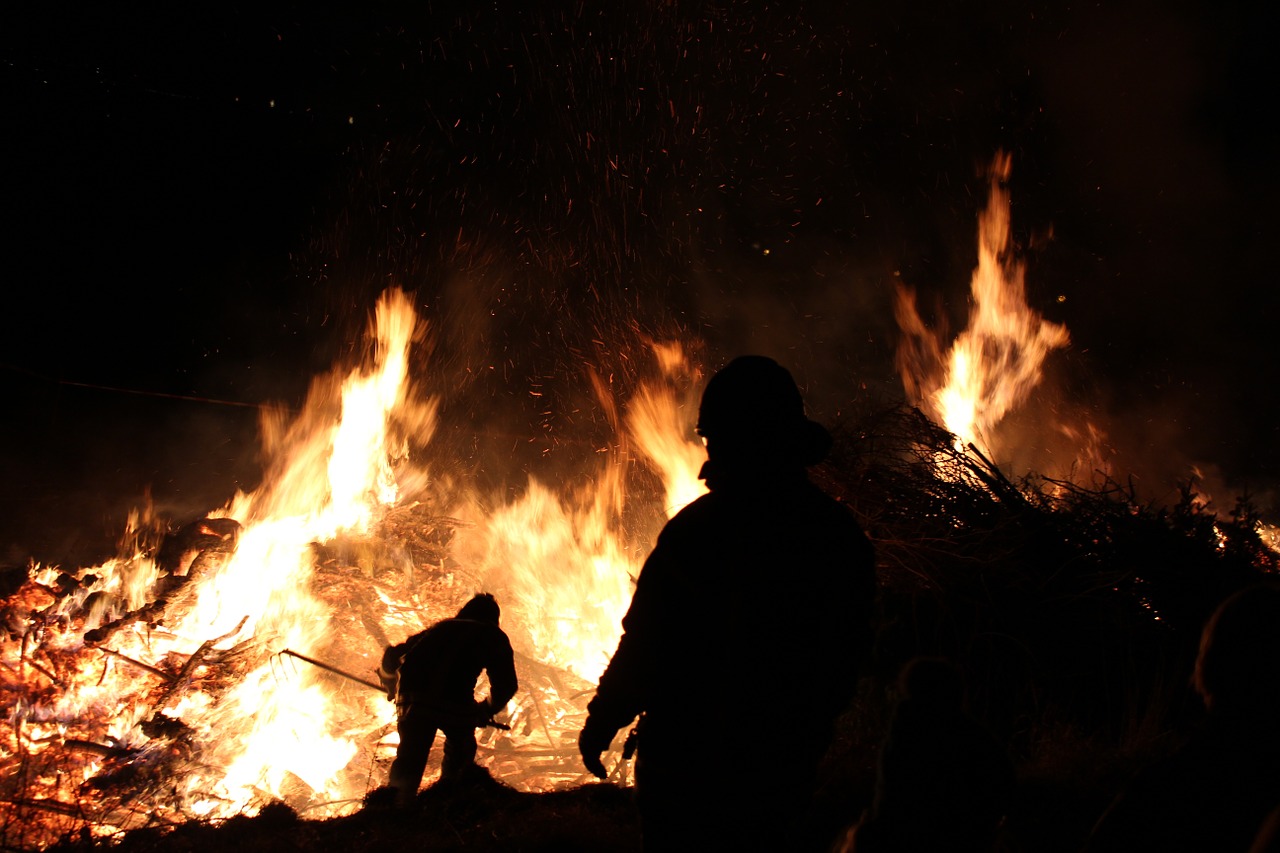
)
(144, 693)
(167, 684)
(996, 361)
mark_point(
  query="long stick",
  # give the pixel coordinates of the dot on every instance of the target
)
(146, 666)
(357, 679)
(494, 723)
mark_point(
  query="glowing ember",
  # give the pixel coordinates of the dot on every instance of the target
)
(994, 363)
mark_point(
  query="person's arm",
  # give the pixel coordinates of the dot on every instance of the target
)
(389, 668)
(502, 674)
(623, 689)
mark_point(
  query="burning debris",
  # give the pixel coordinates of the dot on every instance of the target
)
(212, 671)
(199, 548)
(73, 761)
(77, 754)
(178, 681)
(1088, 588)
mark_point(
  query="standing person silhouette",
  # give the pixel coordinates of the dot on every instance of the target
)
(944, 782)
(1218, 790)
(432, 676)
(743, 641)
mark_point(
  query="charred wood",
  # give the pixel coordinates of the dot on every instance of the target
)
(183, 677)
(192, 549)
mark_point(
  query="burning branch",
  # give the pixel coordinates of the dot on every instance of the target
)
(146, 667)
(183, 677)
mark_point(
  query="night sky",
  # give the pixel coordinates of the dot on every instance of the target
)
(203, 206)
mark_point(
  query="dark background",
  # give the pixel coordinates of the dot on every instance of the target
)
(203, 205)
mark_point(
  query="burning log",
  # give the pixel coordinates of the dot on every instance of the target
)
(195, 549)
(198, 547)
(146, 667)
(184, 676)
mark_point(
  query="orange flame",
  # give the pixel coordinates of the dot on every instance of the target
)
(658, 423)
(562, 565)
(994, 363)
(566, 560)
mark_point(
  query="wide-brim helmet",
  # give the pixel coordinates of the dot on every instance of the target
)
(753, 407)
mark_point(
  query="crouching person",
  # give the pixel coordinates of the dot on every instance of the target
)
(944, 781)
(432, 676)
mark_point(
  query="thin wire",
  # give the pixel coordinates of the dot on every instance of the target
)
(137, 392)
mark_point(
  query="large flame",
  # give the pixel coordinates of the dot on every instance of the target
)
(561, 561)
(565, 560)
(996, 361)
(658, 424)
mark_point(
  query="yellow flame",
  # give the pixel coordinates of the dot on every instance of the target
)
(564, 564)
(996, 361)
(565, 560)
(660, 426)
(333, 477)
(566, 572)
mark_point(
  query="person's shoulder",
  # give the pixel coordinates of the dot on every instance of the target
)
(423, 637)
(499, 635)
(490, 631)
(695, 514)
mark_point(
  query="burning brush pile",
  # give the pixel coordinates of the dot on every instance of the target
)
(226, 664)
(1063, 602)
(132, 724)
(1064, 596)
(1076, 603)
(230, 663)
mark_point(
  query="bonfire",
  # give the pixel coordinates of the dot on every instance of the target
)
(215, 668)
(225, 664)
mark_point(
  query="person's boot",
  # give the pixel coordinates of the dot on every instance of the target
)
(406, 792)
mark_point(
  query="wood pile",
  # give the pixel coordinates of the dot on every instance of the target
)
(379, 589)
(1059, 599)
(1070, 599)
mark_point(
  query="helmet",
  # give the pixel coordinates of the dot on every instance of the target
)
(482, 607)
(752, 406)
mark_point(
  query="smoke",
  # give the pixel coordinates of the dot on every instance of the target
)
(558, 186)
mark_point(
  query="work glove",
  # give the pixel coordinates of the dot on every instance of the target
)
(593, 741)
(391, 656)
(389, 670)
(389, 681)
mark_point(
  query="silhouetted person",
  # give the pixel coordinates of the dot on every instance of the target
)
(745, 632)
(433, 677)
(1217, 790)
(1268, 837)
(944, 782)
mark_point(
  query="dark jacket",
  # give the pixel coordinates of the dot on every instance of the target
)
(440, 666)
(944, 783)
(750, 614)
(1214, 793)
